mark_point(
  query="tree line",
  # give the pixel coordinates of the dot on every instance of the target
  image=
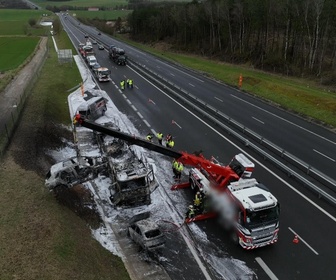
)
(293, 37)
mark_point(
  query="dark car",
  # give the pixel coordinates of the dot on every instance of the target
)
(96, 66)
(86, 36)
(99, 33)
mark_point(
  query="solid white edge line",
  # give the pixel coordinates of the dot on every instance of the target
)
(240, 149)
(316, 151)
(267, 270)
(294, 124)
(306, 243)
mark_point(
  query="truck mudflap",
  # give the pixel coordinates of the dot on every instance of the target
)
(249, 244)
(201, 217)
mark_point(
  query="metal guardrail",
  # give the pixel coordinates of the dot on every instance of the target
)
(198, 104)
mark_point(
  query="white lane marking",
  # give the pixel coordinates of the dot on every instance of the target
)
(294, 124)
(266, 268)
(240, 149)
(191, 85)
(301, 239)
(157, 66)
(136, 87)
(129, 102)
(153, 131)
(124, 96)
(219, 99)
(140, 115)
(258, 120)
(172, 74)
(146, 123)
(174, 122)
(191, 76)
(133, 107)
(324, 155)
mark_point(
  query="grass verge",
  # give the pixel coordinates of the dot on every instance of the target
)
(40, 239)
(301, 96)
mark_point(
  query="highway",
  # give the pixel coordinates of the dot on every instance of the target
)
(150, 108)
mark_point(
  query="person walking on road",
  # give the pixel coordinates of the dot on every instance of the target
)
(159, 136)
(130, 83)
(122, 84)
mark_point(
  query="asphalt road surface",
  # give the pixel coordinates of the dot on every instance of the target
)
(302, 213)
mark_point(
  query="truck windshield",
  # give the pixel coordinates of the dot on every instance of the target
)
(254, 218)
(105, 72)
(236, 166)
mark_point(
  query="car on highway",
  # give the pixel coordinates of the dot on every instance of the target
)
(146, 233)
(100, 47)
(91, 60)
(95, 66)
(99, 33)
(94, 42)
(86, 36)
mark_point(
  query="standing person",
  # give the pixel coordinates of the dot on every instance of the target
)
(198, 202)
(130, 82)
(127, 83)
(170, 144)
(174, 165)
(159, 136)
(122, 84)
(190, 213)
(149, 137)
(169, 137)
(179, 169)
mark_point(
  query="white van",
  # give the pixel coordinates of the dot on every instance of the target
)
(91, 60)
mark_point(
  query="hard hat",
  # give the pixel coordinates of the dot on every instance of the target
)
(191, 207)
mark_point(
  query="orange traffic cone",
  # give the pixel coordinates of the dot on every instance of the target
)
(296, 239)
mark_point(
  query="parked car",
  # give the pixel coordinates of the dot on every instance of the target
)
(100, 47)
(146, 233)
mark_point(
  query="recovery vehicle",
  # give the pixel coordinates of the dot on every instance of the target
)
(102, 74)
(86, 49)
(244, 206)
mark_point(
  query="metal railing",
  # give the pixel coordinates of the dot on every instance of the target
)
(223, 121)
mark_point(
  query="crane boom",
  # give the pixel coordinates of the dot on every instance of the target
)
(223, 174)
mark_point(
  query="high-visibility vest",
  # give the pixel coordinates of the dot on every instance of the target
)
(197, 201)
(179, 167)
(122, 83)
(191, 213)
(149, 137)
(175, 164)
(130, 82)
(171, 144)
(159, 136)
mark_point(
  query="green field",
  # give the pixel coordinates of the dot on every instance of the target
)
(105, 15)
(15, 50)
(81, 3)
(15, 22)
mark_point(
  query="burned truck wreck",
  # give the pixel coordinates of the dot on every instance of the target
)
(132, 178)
